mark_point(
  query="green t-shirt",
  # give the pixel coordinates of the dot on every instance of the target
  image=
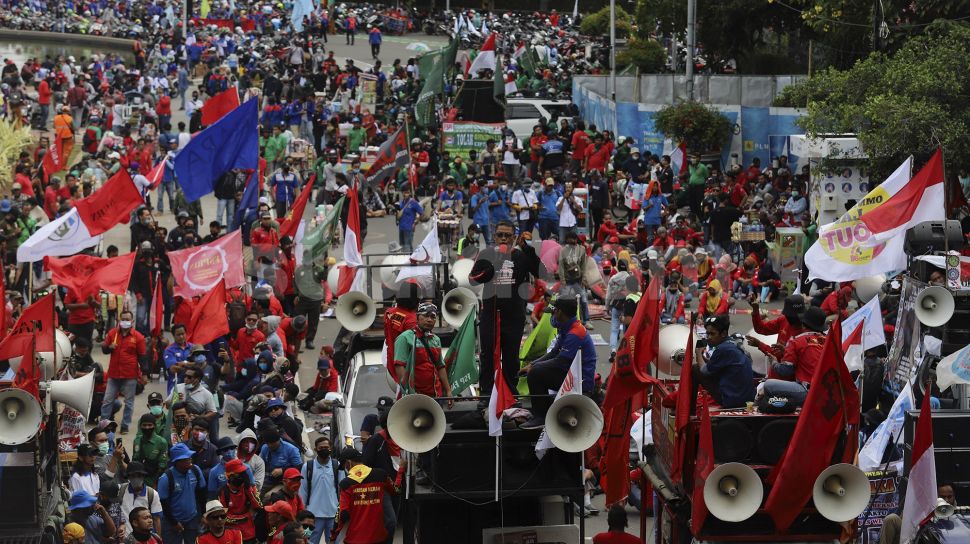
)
(151, 453)
(698, 173)
(355, 139)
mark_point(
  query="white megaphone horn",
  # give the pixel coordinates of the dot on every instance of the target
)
(574, 423)
(390, 268)
(866, 288)
(20, 416)
(355, 311)
(934, 306)
(74, 393)
(733, 492)
(943, 509)
(673, 345)
(841, 492)
(416, 423)
(457, 304)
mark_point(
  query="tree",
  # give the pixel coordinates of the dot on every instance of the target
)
(645, 54)
(911, 101)
(702, 127)
(598, 24)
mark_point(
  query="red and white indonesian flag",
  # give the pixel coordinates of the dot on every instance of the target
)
(908, 203)
(501, 398)
(571, 385)
(861, 331)
(678, 159)
(510, 86)
(921, 491)
(486, 57)
(843, 252)
(198, 270)
(519, 50)
(352, 273)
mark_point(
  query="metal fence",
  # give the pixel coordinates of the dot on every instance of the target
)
(662, 89)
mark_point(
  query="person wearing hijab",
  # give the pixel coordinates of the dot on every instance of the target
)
(713, 301)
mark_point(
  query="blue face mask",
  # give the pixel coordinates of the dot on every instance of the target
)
(200, 358)
(228, 455)
(264, 367)
(244, 372)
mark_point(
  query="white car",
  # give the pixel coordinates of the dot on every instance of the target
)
(521, 114)
(367, 380)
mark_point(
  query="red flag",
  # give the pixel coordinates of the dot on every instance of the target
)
(219, 105)
(209, 318)
(351, 274)
(639, 347)
(156, 313)
(291, 223)
(703, 467)
(832, 404)
(28, 375)
(14, 345)
(501, 398)
(616, 452)
(111, 204)
(54, 160)
(156, 175)
(38, 318)
(197, 270)
(921, 492)
(685, 402)
(85, 274)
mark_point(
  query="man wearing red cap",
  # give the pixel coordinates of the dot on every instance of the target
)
(290, 492)
(241, 500)
(278, 514)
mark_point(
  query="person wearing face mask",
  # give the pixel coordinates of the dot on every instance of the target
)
(284, 184)
(499, 204)
(468, 244)
(126, 347)
(83, 474)
(246, 452)
(149, 449)
(205, 455)
(177, 355)
(216, 479)
(408, 214)
(278, 455)
(180, 423)
(142, 230)
(797, 204)
(246, 338)
(526, 203)
(138, 494)
(241, 500)
(240, 389)
(88, 513)
(144, 526)
(290, 492)
(319, 488)
(197, 398)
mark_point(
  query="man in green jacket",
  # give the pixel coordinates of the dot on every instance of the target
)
(150, 450)
(699, 173)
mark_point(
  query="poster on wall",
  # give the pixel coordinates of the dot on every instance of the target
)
(464, 136)
(904, 353)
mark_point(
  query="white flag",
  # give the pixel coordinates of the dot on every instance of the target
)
(571, 385)
(953, 369)
(869, 317)
(428, 252)
(65, 235)
(870, 456)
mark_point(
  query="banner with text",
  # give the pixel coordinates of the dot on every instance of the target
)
(463, 136)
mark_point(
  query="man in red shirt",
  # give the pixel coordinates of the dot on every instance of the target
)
(596, 155)
(214, 520)
(787, 326)
(578, 144)
(127, 347)
(44, 94)
(535, 148)
(244, 343)
(616, 521)
(241, 500)
(80, 315)
(290, 492)
(294, 329)
(50, 197)
(363, 494)
(398, 319)
(278, 515)
(803, 352)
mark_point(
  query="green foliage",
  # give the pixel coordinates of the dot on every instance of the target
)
(645, 54)
(908, 102)
(701, 126)
(598, 24)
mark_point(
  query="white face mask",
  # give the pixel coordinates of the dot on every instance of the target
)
(124, 324)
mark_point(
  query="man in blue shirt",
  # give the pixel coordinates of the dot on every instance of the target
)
(723, 369)
(278, 455)
(500, 203)
(548, 372)
(548, 216)
(177, 355)
(480, 211)
(318, 489)
(653, 203)
(408, 214)
(284, 182)
(181, 490)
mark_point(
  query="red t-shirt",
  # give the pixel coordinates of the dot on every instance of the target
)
(579, 142)
(597, 158)
(78, 317)
(245, 341)
(328, 384)
(124, 359)
(229, 536)
(238, 510)
(613, 537)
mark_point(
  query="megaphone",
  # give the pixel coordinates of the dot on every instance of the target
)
(934, 306)
(457, 304)
(389, 271)
(673, 346)
(355, 311)
(333, 275)
(20, 416)
(574, 423)
(74, 393)
(417, 423)
(841, 492)
(461, 270)
(943, 509)
(866, 288)
(759, 361)
(733, 492)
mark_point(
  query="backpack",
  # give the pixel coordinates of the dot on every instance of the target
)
(309, 477)
(171, 485)
(237, 314)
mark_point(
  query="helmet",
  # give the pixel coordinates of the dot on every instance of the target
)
(416, 141)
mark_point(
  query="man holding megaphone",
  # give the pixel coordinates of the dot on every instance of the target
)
(418, 363)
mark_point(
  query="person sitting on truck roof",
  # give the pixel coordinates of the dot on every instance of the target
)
(724, 370)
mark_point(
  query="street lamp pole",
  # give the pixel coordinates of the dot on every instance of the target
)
(613, 50)
(691, 44)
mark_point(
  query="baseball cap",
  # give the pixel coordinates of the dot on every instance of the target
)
(350, 453)
(81, 499)
(385, 403)
(136, 468)
(233, 466)
(273, 403)
(427, 308)
(323, 364)
(146, 418)
(550, 181)
(155, 398)
(225, 443)
(292, 474)
(282, 508)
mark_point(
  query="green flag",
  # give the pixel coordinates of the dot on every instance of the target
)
(461, 357)
(528, 61)
(535, 346)
(498, 89)
(451, 55)
(431, 66)
(320, 237)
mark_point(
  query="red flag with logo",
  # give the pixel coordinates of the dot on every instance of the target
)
(638, 349)
(197, 270)
(832, 404)
(28, 375)
(37, 319)
(219, 105)
(85, 274)
(685, 402)
(156, 313)
(703, 467)
(111, 204)
(209, 318)
(54, 160)
(291, 223)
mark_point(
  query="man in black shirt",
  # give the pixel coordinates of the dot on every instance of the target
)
(721, 220)
(599, 198)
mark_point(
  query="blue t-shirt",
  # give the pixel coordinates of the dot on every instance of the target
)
(450, 201)
(651, 209)
(182, 501)
(481, 216)
(500, 212)
(410, 211)
(547, 204)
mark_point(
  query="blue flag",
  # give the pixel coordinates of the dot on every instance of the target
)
(249, 201)
(231, 142)
(301, 9)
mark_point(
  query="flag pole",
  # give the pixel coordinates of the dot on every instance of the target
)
(407, 137)
(946, 203)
